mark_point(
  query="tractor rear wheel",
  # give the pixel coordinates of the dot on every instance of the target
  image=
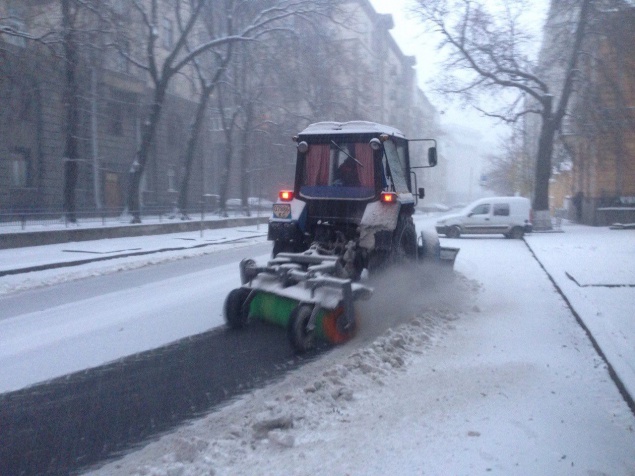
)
(404, 245)
(236, 314)
(280, 247)
(301, 338)
(377, 262)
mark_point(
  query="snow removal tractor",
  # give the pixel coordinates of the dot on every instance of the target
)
(349, 214)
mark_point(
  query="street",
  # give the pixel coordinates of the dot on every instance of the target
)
(495, 374)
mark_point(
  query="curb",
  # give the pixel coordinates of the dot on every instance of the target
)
(68, 264)
(621, 387)
(52, 237)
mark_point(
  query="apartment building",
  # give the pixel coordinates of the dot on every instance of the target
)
(115, 98)
(594, 160)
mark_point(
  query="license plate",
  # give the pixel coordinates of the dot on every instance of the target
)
(282, 210)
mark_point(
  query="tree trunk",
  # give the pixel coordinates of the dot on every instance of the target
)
(542, 216)
(228, 127)
(138, 166)
(182, 201)
(551, 122)
(224, 180)
(71, 153)
(244, 160)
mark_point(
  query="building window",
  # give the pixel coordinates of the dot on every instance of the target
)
(20, 173)
(26, 106)
(168, 33)
(118, 7)
(116, 119)
(121, 61)
(216, 123)
(15, 23)
(175, 130)
(171, 179)
(18, 27)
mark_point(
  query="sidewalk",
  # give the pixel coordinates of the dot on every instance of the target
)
(62, 255)
(59, 232)
(594, 269)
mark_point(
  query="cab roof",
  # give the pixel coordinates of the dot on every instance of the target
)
(352, 127)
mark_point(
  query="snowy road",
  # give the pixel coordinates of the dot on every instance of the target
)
(76, 325)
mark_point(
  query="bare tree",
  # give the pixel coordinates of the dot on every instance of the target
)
(71, 143)
(66, 35)
(312, 72)
(209, 70)
(229, 117)
(487, 53)
(509, 171)
(162, 66)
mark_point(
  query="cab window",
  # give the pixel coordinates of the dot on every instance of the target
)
(338, 169)
(394, 168)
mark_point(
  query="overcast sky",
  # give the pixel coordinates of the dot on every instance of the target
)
(413, 40)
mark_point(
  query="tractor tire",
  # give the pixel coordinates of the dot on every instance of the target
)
(404, 244)
(453, 232)
(300, 338)
(236, 315)
(280, 247)
(377, 262)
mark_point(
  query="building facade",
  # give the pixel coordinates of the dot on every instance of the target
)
(594, 160)
(115, 98)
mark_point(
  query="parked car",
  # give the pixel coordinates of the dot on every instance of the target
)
(510, 216)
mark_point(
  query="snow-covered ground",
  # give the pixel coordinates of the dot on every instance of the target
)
(494, 376)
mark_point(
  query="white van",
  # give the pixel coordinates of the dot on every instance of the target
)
(510, 216)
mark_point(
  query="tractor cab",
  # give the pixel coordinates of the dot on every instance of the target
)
(340, 170)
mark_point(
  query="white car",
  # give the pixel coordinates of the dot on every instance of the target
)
(509, 216)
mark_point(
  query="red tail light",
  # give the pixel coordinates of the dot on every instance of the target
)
(389, 197)
(285, 195)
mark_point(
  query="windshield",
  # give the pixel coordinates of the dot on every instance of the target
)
(338, 169)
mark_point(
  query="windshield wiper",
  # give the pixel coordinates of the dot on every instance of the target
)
(337, 145)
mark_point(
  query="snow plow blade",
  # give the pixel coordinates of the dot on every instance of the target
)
(300, 292)
(447, 256)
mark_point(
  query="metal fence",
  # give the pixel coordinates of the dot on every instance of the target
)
(34, 220)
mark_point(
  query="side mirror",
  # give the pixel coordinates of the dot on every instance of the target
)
(432, 156)
(422, 192)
